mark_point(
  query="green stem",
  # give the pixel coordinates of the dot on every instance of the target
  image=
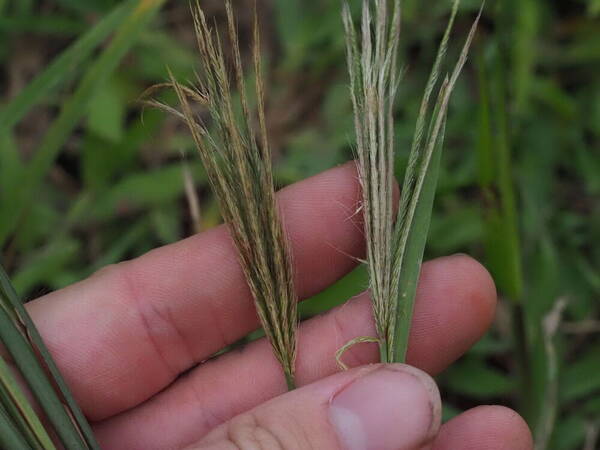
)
(523, 353)
(383, 352)
(290, 380)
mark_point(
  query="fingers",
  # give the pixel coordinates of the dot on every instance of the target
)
(455, 305)
(381, 407)
(129, 331)
(485, 428)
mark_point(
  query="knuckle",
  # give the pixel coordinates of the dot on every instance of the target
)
(108, 272)
(249, 432)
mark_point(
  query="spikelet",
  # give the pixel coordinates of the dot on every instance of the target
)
(395, 249)
(237, 160)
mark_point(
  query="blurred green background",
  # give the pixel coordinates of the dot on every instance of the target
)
(88, 177)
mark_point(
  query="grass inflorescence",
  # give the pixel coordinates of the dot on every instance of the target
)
(395, 248)
(236, 155)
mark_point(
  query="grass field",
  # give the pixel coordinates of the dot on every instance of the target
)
(88, 177)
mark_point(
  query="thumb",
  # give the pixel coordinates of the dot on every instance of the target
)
(382, 407)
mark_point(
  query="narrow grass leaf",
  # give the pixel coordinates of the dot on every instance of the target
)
(524, 51)
(417, 238)
(10, 438)
(141, 190)
(22, 340)
(502, 237)
(414, 218)
(75, 107)
(44, 264)
(23, 415)
(511, 277)
(61, 68)
(15, 341)
(43, 24)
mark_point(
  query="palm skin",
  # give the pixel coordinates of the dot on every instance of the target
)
(132, 341)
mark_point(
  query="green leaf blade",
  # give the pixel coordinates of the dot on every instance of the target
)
(33, 359)
(60, 69)
(414, 215)
(10, 438)
(74, 108)
(18, 407)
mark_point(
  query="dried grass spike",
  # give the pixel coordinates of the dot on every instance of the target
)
(238, 166)
(374, 76)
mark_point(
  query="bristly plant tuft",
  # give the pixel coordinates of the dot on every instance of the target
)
(236, 155)
(395, 248)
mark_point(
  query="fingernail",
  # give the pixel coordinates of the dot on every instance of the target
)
(396, 407)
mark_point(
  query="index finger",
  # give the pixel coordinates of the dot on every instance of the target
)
(127, 332)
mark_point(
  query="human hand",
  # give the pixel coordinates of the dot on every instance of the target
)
(131, 341)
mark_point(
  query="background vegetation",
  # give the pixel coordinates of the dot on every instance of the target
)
(88, 178)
